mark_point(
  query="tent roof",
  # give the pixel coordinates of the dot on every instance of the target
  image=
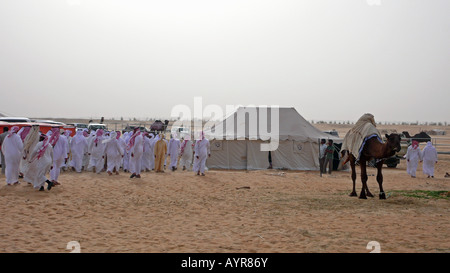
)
(255, 123)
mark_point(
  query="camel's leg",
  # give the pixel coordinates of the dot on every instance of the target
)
(380, 179)
(369, 194)
(352, 165)
(362, 164)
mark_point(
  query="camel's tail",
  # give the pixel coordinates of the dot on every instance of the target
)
(343, 154)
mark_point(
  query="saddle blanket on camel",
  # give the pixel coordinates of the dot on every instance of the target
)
(356, 138)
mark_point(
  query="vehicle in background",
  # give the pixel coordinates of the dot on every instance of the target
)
(49, 122)
(14, 119)
(79, 125)
(43, 127)
(332, 132)
(181, 131)
(96, 126)
(130, 128)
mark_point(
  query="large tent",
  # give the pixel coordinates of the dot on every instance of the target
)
(236, 140)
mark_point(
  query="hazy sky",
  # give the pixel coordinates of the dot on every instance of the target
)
(331, 60)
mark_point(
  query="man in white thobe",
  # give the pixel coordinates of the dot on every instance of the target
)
(85, 163)
(430, 158)
(126, 155)
(29, 143)
(97, 152)
(201, 153)
(152, 151)
(136, 150)
(78, 148)
(147, 155)
(39, 164)
(2, 137)
(122, 144)
(59, 144)
(12, 148)
(413, 156)
(186, 153)
(173, 151)
(114, 153)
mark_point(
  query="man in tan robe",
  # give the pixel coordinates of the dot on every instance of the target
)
(160, 150)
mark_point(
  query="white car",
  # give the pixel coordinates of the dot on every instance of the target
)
(180, 130)
(50, 122)
(96, 126)
(14, 119)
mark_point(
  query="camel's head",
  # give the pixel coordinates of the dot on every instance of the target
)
(393, 142)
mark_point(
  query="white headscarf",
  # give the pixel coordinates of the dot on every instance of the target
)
(78, 137)
(112, 136)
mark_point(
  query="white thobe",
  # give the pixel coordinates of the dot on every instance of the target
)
(186, 157)
(97, 151)
(429, 155)
(31, 140)
(413, 156)
(12, 148)
(136, 154)
(201, 150)
(59, 154)
(124, 149)
(173, 151)
(39, 167)
(152, 153)
(78, 148)
(147, 155)
(114, 153)
(126, 155)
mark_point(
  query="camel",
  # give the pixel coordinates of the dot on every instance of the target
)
(373, 149)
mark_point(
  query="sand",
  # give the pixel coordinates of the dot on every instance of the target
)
(265, 211)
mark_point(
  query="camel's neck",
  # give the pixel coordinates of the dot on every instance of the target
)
(387, 150)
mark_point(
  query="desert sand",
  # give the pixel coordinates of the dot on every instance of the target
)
(266, 211)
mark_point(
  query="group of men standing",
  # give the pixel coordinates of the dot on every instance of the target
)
(428, 156)
(31, 155)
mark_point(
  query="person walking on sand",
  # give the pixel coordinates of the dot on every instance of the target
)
(30, 141)
(59, 144)
(413, 156)
(123, 145)
(322, 149)
(430, 158)
(40, 163)
(78, 148)
(97, 152)
(114, 153)
(160, 150)
(329, 153)
(147, 156)
(12, 148)
(2, 138)
(85, 164)
(126, 156)
(136, 150)
(151, 151)
(186, 153)
(201, 153)
(173, 150)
